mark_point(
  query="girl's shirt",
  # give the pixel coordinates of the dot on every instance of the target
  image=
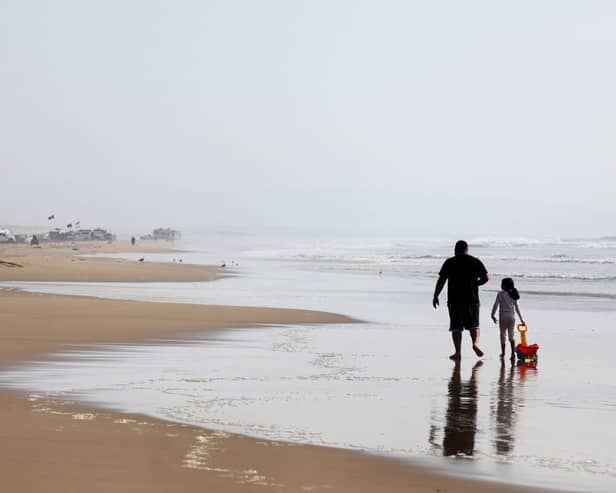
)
(507, 305)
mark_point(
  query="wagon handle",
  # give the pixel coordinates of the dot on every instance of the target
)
(522, 328)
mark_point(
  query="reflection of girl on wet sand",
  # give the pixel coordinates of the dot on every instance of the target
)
(509, 402)
(505, 411)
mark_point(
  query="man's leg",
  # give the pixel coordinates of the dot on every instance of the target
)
(475, 338)
(473, 321)
(456, 324)
(456, 336)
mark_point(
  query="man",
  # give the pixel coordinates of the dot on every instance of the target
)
(464, 274)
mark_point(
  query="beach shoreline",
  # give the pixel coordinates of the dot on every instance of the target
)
(62, 446)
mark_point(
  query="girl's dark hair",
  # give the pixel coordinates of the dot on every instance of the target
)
(508, 285)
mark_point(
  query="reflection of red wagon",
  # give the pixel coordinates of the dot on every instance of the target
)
(525, 351)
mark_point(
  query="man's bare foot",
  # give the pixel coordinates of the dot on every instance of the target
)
(512, 358)
(478, 351)
(455, 357)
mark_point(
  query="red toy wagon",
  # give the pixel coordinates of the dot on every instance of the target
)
(525, 352)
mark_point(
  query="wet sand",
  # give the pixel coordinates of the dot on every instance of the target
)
(59, 447)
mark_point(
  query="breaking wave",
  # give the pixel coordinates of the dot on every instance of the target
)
(607, 296)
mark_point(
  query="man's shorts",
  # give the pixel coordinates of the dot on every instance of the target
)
(463, 316)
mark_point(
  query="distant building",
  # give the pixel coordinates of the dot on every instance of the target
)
(166, 234)
(58, 236)
(98, 234)
(82, 235)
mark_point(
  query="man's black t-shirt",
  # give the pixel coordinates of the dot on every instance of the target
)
(462, 273)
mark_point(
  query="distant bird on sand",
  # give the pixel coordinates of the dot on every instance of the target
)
(141, 259)
(223, 265)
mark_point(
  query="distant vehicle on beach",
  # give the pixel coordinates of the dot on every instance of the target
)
(6, 236)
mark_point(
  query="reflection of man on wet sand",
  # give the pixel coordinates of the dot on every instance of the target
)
(463, 274)
(461, 416)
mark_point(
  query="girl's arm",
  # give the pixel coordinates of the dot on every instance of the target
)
(495, 307)
(517, 309)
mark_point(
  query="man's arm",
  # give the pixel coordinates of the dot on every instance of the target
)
(483, 279)
(482, 273)
(440, 284)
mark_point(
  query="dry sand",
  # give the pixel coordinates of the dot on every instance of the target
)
(60, 447)
(60, 263)
(88, 247)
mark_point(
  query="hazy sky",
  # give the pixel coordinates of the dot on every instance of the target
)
(395, 117)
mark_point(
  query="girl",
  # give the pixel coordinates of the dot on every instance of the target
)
(507, 303)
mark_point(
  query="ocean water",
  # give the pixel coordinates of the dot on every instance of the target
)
(385, 385)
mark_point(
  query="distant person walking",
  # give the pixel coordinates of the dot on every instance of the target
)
(133, 241)
(463, 274)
